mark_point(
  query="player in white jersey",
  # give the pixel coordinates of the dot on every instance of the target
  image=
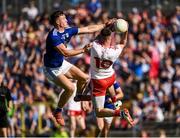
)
(103, 55)
(76, 115)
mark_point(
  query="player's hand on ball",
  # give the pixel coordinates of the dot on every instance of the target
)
(110, 22)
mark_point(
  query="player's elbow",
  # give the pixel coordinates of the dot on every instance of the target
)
(66, 54)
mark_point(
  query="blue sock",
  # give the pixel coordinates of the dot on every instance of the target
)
(58, 109)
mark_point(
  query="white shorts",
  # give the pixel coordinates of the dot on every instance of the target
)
(108, 120)
(99, 101)
(52, 73)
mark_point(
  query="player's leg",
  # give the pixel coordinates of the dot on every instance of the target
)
(107, 125)
(81, 123)
(4, 132)
(100, 124)
(98, 102)
(82, 80)
(122, 113)
(72, 126)
(56, 75)
(67, 85)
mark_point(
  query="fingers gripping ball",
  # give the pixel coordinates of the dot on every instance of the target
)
(121, 26)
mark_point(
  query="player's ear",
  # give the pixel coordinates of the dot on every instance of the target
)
(57, 22)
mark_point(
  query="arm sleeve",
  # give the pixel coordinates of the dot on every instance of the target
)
(55, 40)
(73, 31)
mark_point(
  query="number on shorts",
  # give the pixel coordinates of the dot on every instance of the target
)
(102, 63)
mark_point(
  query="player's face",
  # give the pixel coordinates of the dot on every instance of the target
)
(62, 21)
(109, 38)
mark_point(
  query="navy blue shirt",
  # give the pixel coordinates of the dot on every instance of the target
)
(93, 6)
(53, 58)
(108, 105)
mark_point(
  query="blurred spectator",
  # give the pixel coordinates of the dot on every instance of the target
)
(155, 113)
(95, 8)
(31, 122)
(31, 11)
(144, 134)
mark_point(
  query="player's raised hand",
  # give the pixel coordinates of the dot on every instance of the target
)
(87, 47)
(110, 22)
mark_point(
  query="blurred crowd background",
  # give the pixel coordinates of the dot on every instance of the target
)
(148, 69)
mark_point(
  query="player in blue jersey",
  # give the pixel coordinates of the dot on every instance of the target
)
(56, 68)
(111, 102)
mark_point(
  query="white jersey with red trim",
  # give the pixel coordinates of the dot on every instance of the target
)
(102, 60)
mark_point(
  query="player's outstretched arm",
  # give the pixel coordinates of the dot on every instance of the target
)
(90, 29)
(95, 28)
(61, 48)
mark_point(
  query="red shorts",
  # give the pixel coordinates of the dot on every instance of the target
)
(75, 113)
(100, 85)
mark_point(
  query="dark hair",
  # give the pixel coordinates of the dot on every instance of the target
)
(104, 34)
(54, 16)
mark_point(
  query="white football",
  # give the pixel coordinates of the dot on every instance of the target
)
(121, 26)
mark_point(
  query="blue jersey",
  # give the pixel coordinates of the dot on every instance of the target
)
(108, 105)
(53, 58)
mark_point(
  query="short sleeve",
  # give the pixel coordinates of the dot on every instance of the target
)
(55, 40)
(73, 31)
